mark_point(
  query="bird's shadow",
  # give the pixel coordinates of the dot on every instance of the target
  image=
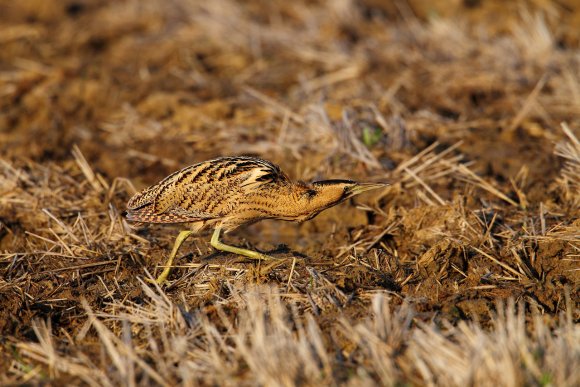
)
(280, 249)
(284, 249)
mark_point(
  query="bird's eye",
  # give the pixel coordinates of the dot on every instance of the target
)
(310, 193)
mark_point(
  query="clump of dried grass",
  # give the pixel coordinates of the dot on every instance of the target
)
(466, 354)
(260, 339)
(570, 177)
(60, 204)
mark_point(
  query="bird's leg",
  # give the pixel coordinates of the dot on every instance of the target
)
(183, 235)
(215, 242)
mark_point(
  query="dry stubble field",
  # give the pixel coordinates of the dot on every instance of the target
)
(465, 271)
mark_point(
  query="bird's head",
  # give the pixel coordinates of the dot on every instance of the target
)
(324, 194)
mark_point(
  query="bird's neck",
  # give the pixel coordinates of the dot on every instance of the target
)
(295, 206)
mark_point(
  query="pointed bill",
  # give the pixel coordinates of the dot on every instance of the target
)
(363, 187)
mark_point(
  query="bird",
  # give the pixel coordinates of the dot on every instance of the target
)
(228, 192)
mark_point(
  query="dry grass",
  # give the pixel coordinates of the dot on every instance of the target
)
(464, 272)
(270, 341)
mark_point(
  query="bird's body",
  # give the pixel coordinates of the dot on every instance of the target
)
(229, 192)
(226, 192)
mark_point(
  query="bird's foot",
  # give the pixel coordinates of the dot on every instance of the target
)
(262, 257)
(161, 279)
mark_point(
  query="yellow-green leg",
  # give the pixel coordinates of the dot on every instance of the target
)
(215, 242)
(183, 235)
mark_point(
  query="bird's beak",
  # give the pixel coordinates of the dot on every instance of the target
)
(363, 187)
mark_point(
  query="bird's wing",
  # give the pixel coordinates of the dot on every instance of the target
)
(163, 202)
(146, 215)
(150, 213)
(203, 191)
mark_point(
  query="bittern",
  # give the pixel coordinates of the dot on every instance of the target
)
(229, 192)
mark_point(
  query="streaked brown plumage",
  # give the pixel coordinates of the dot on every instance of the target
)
(228, 192)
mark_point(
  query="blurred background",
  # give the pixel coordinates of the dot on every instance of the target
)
(144, 87)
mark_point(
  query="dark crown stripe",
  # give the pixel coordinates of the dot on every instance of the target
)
(333, 182)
